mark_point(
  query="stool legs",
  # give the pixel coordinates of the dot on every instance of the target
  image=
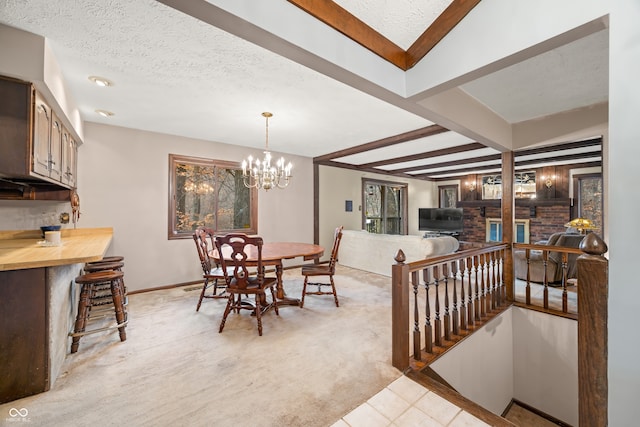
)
(88, 299)
(116, 292)
(83, 313)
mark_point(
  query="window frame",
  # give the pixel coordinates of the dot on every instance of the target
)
(403, 205)
(175, 159)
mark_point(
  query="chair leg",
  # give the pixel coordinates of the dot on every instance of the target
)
(333, 287)
(275, 301)
(304, 291)
(204, 288)
(227, 309)
(259, 314)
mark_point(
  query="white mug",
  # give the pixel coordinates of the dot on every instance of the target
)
(52, 237)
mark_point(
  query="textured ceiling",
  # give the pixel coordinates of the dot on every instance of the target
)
(176, 74)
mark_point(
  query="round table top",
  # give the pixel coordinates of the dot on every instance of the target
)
(275, 251)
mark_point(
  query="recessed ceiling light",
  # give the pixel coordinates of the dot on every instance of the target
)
(101, 81)
(105, 113)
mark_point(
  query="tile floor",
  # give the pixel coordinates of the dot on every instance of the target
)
(405, 403)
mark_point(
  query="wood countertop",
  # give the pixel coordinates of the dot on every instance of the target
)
(20, 250)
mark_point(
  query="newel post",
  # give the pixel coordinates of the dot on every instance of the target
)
(593, 289)
(400, 312)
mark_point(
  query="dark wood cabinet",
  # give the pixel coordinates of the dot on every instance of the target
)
(39, 152)
(23, 333)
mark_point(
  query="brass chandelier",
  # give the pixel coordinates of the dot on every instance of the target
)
(260, 173)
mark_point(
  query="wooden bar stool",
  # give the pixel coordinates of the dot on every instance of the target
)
(103, 265)
(88, 282)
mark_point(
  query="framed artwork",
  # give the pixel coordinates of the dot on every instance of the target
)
(448, 196)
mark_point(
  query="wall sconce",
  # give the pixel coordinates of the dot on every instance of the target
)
(471, 185)
(548, 180)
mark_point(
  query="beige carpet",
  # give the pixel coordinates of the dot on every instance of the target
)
(311, 366)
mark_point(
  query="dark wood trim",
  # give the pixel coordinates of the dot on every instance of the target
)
(508, 219)
(538, 412)
(385, 142)
(316, 204)
(593, 290)
(559, 147)
(341, 20)
(459, 400)
(444, 23)
(519, 202)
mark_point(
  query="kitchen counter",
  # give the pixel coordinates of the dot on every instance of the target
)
(20, 250)
(38, 304)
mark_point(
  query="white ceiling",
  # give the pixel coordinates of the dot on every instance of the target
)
(178, 75)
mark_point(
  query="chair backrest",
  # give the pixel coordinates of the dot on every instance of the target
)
(233, 250)
(203, 237)
(337, 236)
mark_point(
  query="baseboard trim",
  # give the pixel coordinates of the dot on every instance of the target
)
(179, 285)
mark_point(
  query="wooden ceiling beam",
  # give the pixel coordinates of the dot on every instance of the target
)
(444, 23)
(385, 142)
(341, 20)
(427, 155)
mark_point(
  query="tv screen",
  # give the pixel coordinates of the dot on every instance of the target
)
(440, 219)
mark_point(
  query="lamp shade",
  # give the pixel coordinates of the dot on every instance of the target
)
(581, 224)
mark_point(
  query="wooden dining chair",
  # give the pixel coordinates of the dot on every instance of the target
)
(234, 249)
(211, 272)
(315, 270)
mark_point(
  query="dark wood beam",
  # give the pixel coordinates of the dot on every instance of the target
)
(385, 142)
(560, 147)
(426, 155)
(444, 23)
(490, 158)
(341, 20)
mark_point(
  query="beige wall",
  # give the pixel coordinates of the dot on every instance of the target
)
(123, 183)
(338, 185)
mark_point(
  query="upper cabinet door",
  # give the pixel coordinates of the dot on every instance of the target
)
(41, 136)
(55, 149)
(69, 159)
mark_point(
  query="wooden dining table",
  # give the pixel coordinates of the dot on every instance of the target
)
(273, 254)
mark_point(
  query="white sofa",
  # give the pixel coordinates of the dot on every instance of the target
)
(376, 252)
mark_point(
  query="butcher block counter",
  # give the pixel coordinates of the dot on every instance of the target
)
(20, 249)
(38, 303)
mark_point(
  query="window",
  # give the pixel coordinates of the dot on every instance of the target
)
(448, 196)
(588, 192)
(209, 193)
(494, 230)
(385, 205)
(524, 184)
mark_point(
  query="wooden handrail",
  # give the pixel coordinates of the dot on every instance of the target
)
(477, 275)
(473, 290)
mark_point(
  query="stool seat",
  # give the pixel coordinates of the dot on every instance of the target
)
(102, 266)
(89, 298)
(114, 258)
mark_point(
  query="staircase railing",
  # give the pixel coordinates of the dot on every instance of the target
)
(456, 294)
(452, 296)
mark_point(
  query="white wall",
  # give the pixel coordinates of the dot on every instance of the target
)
(123, 183)
(624, 173)
(338, 185)
(521, 354)
(481, 367)
(545, 363)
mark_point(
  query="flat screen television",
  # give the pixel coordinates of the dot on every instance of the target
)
(447, 220)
